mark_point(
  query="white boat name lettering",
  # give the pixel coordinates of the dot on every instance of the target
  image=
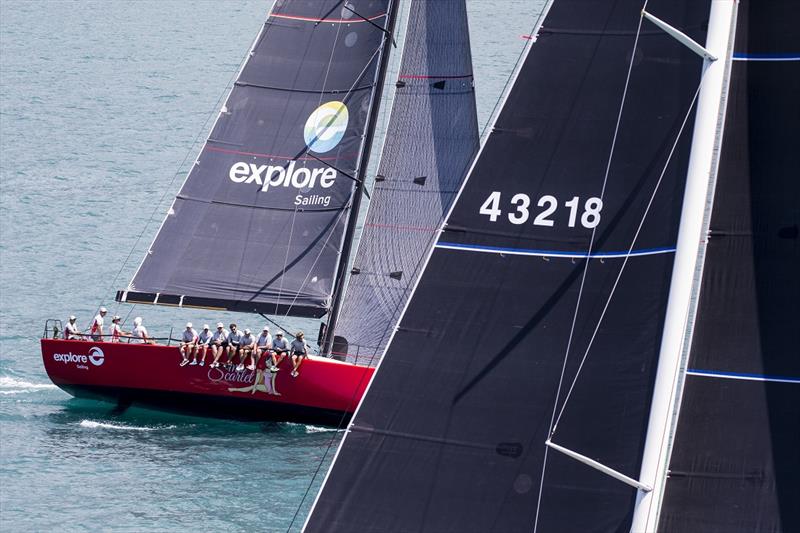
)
(217, 374)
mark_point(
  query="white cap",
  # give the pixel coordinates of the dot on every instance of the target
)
(72, 317)
(103, 310)
(220, 325)
(115, 317)
(265, 328)
(246, 331)
(205, 326)
(137, 321)
(279, 333)
(188, 324)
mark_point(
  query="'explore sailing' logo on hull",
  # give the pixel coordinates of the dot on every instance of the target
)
(323, 131)
(95, 356)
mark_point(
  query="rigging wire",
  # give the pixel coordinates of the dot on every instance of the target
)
(586, 266)
(627, 256)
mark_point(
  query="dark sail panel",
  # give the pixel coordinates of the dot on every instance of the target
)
(431, 139)
(258, 225)
(735, 464)
(549, 282)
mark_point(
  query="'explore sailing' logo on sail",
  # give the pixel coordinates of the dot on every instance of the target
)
(323, 131)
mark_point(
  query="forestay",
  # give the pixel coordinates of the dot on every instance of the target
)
(735, 465)
(539, 313)
(259, 223)
(431, 139)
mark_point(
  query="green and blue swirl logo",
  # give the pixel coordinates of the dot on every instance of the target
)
(326, 126)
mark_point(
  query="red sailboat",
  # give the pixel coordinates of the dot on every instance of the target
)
(326, 391)
(265, 221)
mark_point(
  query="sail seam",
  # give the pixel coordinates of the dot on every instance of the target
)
(295, 90)
(331, 21)
(264, 207)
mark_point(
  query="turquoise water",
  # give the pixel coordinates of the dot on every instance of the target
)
(100, 102)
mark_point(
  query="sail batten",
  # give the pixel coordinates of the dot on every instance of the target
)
(259, 224)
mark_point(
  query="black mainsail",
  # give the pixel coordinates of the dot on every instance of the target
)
(259, 224)
(431, 139)
(735, 464)
(539, 314)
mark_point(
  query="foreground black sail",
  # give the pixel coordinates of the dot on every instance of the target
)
(431, 139)
(735, 465)
(259, 223)
(539, 314)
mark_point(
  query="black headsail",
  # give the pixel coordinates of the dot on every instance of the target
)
(735, 465)
(539, 313)
(431, 139)
(258, 225)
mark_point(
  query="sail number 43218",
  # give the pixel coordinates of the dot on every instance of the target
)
(520, 210)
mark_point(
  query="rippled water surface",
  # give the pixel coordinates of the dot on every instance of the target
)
(100, 103)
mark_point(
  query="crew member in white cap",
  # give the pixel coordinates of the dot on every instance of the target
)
(71, 331)
(247, 343)
(140, 332)
(280, 349)
(188, 342)
(96, 330)
(263, 347)
(219, 342)
(203, 340)
(114, 330)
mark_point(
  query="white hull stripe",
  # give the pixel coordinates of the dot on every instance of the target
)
(742, 376)
(551, 253)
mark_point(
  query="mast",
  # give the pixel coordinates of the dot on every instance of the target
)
(344, 257)
(701, 171)
(432, 137)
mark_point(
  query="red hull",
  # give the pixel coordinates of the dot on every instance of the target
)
(326, 391)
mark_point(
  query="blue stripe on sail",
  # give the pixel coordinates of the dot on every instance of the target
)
(552, 253)
(742, 376)
(765, 57)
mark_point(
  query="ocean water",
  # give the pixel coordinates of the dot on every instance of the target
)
(102, 107)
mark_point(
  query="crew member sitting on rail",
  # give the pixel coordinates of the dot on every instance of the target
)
(280, 348)
(219, 342)
(247, 344)
(71, 331)
(263, 345)
(188, 342)
(234, 338)
(96, 330)
(203, 340)
(140, 332)
(114, 330)
(299, 352)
